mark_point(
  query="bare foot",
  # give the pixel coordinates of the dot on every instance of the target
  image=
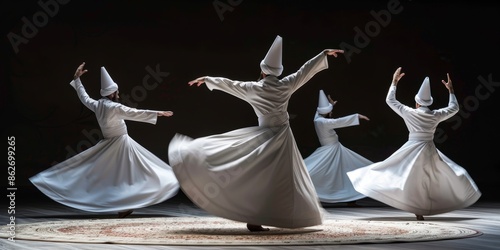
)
(419, 217)
(256, 228)
(125, 213)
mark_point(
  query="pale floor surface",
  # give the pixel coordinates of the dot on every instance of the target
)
(483, 216)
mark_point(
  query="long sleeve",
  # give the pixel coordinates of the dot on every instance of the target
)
(341, 122)
(82, 94)
(325, 127)
(450, 110)
(307, 71)
(139, 115)
(394, 104)
(235, 88)
(112, 115)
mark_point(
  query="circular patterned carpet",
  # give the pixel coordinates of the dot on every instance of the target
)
(218, 231)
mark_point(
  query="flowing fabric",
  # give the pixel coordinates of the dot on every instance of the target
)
(254, 174)
(418, 178)
(114, 175)
(328, 165)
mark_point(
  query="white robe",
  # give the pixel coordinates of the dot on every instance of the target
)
(114, 175)
(418, 178)
(255, 174)
(328, 164)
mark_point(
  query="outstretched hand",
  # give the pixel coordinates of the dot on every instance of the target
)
(80, 71)
(363, 117)
(397, 76)
(448, 84)
(199, 81)
(333, 52)
(165, 113)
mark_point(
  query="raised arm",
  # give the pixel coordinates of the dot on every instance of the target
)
(80, 90)
(453, 106)
(310, 68)
(79, 71)
(448, 84)
(331, 101)
(391, 95)
(397, 76)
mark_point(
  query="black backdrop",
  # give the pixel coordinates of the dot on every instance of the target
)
(153, 48)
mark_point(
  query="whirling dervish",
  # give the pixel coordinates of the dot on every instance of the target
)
(117, 174)
(418, 178)
(329, 163)
(255, 174)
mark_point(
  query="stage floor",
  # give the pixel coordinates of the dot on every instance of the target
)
(484, 216)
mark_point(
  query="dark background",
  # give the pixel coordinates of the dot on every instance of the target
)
(187, 39)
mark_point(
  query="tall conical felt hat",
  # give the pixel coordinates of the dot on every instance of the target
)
(423, 97)
(108, 86)
(271, 64)
(324, 106)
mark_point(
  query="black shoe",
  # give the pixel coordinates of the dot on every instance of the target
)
(256, 228)
(353, 204)
(125, 213)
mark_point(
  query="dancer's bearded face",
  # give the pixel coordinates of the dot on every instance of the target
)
(115, 97)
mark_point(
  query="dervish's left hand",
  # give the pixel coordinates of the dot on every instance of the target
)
(199, 81)
(334, 52)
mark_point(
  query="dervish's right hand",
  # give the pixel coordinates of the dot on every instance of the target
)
(80, 71)
(397, 76)
(448, 84)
